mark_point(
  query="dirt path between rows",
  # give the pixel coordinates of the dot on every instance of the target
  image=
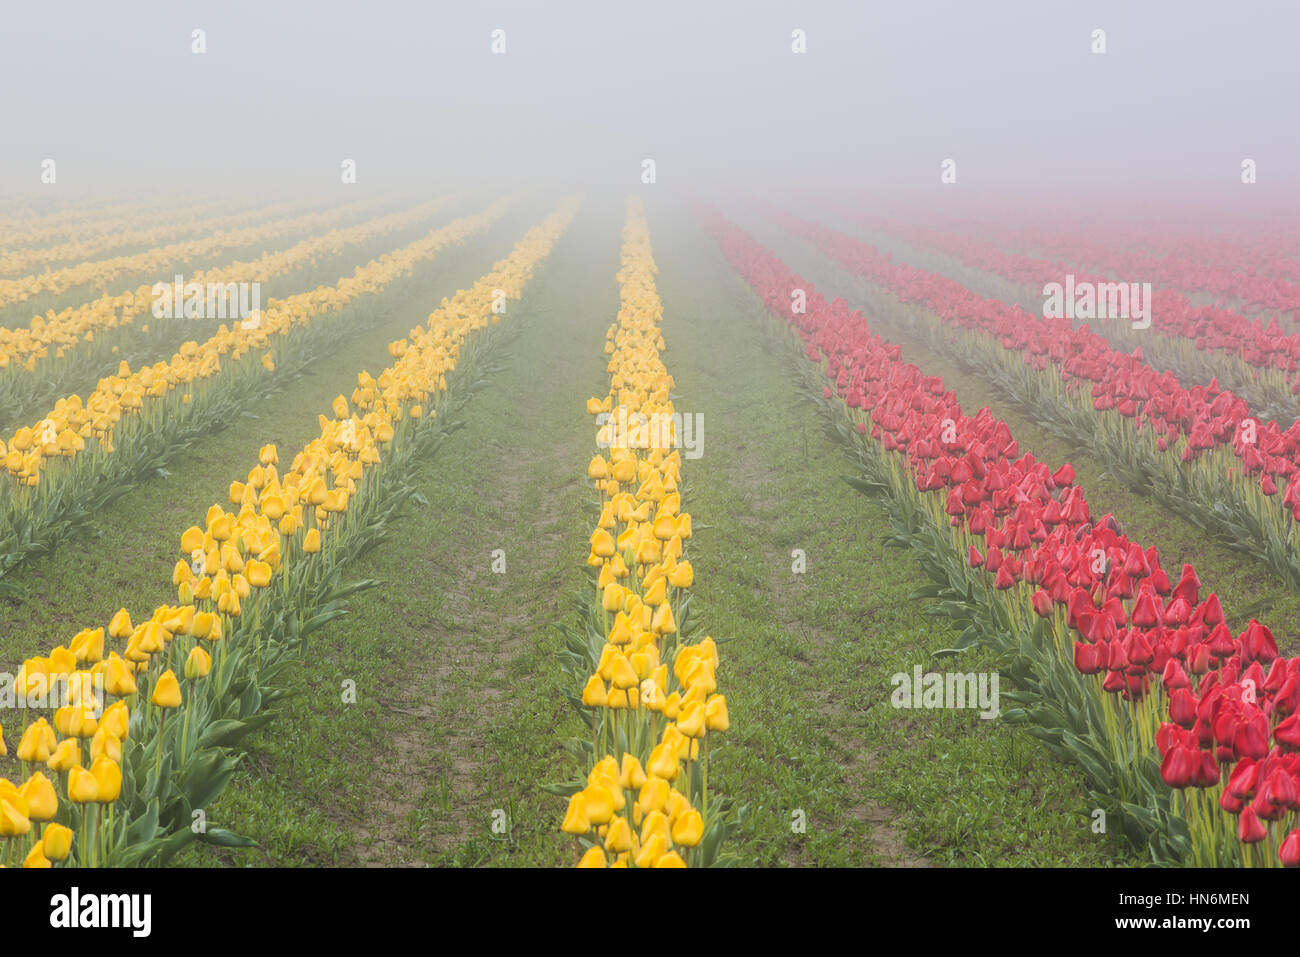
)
(510, 488)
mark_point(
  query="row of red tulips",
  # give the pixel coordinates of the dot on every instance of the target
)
(1245, 270)
(1200, 449)
(1119, 663)
(1260, 344)
(1199, 344)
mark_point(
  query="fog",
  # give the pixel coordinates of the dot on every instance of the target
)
(712, 92)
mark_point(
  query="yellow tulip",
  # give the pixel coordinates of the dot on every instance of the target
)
(75, 721)
(13, 822)
(116, 720)
(602, 543)
(108, 777)
(34, 746)
(105, 743)
(652, 850)
(64, 757)
(715, 714)
(593, 693)
(611, 598)
(672, 706)
(167, 691)
(88, 646)
(653, 796)
(57, 842)
(682, 575)
(311, 541)
(663, 762)
(118, 680)
(631, 774)
(598, 803)
(619, 837)
(575, 820)
(259, 574)
(701, 678)
(36, 858)
(222, 528)
(83, 788)
(202, 625)
(42, 801)
(191, 539)
(595, 857)
(622, 675)
(688, 829)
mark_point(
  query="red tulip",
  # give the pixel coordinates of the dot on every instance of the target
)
(1289, 852)
(1178, 767)
(1042, 603)
(1249, 830)
(1182, 708)
(1287, 733)
(1243, 779)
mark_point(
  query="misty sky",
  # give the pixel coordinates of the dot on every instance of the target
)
(710, 90)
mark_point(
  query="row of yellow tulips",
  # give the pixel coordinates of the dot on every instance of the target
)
(650, 691)
(26, 229)
(56, 334)
(101, 272)
(141, 230)
(287, 525)
(62, 434)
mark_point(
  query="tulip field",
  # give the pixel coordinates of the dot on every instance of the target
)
(697, 530)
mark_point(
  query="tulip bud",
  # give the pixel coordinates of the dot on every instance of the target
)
(198, 664)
